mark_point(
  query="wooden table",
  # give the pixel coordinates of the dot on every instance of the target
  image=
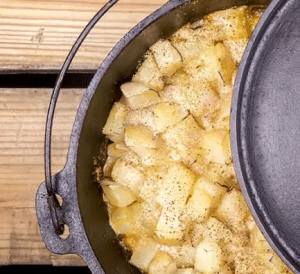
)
(37, 35)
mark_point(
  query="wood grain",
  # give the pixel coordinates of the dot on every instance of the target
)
(22, 124)
(39, 34)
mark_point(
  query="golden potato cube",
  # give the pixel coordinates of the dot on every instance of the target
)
(121, 220)
(258, 241)
(133, 88)
(187, 43)
(142, 117)
(169, 229)
(162, 264)
(146, 99)
(185, 138)
(211, 144)
(233, 208)
(212, 188)
(202, 102)
(114, 126)
(226, 64)
(208, 258)
(176, 186)
(149, 74)
(237, 48)
(144, 254)
(166, 56)
(128, 175)
(139, 136)
(174, 94)
(216, 231)
(232, 22)
(197, 233)
(199, 206)
(108, 167)
(116, 150)
(167, 115)
(116, 194)
(247, 261)
(183, 255)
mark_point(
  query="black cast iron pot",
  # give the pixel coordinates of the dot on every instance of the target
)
(83, 209)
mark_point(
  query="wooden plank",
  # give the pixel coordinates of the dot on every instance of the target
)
(22, 170)
(39, 34)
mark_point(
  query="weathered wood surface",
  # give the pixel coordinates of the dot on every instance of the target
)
(39, 34)
(35, 35)
(22, 125)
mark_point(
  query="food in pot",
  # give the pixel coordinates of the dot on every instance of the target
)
(168, 181)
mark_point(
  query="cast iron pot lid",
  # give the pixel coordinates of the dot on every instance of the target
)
(265, 128)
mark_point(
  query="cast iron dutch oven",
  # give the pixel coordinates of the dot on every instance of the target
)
(252, 126)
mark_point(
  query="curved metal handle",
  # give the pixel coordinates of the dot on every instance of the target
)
(53, 242)
(76, 242)
(57, 220)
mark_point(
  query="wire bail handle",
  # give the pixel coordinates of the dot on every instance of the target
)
(54, 207)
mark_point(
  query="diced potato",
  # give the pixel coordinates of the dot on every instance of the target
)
(116, 150)
(121, 220)
(186, 271)
(143, 256)
(185, 138)
(133, 88)
(208, 258)
(254, 14)
(131, 241)
(149, 74)
(247, 262)
(237, 48)
(174, 192)
(128, 175)
(116, 194)
(197, 233)
(174, 94)
(169, 229)
(162, 264)
(230, 23)
(114, 126)
(176, 186)
(274, 263)
(216, 231)
(202, 102)
(211, 144)
(212, 188)
(199, 206)
(225, 66)
(199, 165)
(146, 99)
(187, 43)
(183, 255)
(149, 216)
(258, 241)
(233, 208)
(109, 164)
(142, 117)
(139, 136)
(168, 115)
(226, 147)
(216, 66)
(166, 56)
(223, 174)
